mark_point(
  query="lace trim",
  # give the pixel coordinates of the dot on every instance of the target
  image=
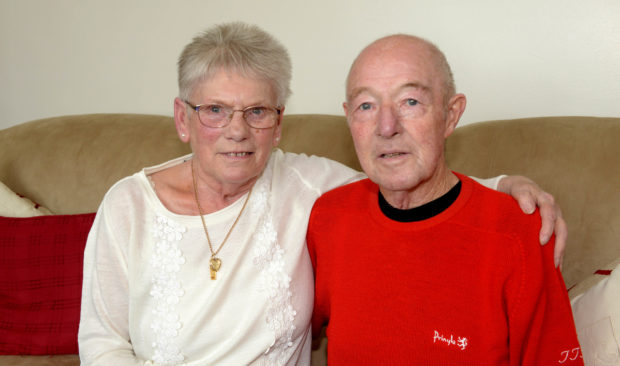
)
(166, 290)
(269, 258)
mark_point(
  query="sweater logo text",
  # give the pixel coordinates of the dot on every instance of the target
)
(570, 355)
(460, 342)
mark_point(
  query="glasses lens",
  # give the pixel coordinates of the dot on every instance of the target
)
(214, 115)
(260, 117)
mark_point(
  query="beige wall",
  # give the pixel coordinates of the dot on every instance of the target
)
(512, 58)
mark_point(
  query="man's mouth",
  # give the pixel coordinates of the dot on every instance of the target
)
(391, 155)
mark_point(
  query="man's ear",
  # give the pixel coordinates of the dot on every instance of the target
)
(456, 107)
(345, 107)
(181, 119)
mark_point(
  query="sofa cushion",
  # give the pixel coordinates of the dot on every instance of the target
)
(15, 205)
(41, 283)
(596, 310)
(56, 360)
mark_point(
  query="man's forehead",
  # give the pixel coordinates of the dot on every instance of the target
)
(394, 59)
(393, 73)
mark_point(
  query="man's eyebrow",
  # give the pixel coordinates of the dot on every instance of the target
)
(355, 92)
(413, 85)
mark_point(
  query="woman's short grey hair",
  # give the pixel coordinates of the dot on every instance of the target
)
(238, 47)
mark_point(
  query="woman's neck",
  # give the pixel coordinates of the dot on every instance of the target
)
(214, 195)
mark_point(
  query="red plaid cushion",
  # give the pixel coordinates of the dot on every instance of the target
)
(41, 283)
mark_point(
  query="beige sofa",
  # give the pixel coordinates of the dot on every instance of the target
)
(67, 163)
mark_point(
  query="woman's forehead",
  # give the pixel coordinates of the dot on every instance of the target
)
(234, 86)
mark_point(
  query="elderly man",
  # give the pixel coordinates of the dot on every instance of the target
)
(419, 264)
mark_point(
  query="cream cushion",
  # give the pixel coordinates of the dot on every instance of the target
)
(597, 317)
(13, 205)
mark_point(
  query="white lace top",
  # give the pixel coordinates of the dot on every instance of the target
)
(148, 298)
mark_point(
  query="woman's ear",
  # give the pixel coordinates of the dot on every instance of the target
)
(181, 119)
(277, 131)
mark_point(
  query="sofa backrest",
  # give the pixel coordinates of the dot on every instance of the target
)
(67, 163)
(574, 158)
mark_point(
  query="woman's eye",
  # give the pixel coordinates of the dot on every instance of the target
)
(214, 109)
(257, 110)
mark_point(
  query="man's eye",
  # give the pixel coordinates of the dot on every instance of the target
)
(365, 106)
(411, 102)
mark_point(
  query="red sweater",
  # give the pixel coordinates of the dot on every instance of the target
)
(470, 286)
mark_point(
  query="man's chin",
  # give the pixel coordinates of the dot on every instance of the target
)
(393, 184)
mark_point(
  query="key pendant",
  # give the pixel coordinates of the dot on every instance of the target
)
(214, 264)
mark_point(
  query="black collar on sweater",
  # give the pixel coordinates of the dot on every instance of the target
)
(426, 211)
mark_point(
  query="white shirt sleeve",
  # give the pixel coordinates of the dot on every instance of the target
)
(489, 182)
(103, 335)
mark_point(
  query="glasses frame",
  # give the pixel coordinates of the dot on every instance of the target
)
(196, 108)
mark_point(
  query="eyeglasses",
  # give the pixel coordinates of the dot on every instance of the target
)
(218, 116)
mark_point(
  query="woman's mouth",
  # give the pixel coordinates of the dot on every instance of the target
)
(238, 154)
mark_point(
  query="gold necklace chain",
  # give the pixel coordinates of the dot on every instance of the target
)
(215, 263)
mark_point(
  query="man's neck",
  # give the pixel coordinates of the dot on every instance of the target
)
(424, 212)
(422, 193)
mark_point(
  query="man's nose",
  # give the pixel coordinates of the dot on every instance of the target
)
(388, 124)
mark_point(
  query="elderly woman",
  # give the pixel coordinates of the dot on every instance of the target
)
(202, 260)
